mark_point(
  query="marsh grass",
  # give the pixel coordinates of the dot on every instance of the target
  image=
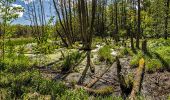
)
(105, 54)
(157, 58)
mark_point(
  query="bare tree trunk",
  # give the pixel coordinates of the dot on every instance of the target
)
(139, 23)
(166, 18)
(116, 22)
(87, 40)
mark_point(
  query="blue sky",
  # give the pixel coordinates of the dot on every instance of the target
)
(22, 20)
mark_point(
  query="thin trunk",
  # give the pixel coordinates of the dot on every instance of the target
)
(139, 23)
(166, 18)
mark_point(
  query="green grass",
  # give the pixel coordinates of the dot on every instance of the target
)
(18, 41)
(105, 54)
(15, 63)
(157, 58)
(70, 60)
(45, 48)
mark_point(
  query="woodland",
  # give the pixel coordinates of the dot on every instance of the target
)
(85, 50)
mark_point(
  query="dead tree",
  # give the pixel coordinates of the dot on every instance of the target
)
(86, 26)
(131, 89)
(138, 80)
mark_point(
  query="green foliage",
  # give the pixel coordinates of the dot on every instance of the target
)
(157, 58)
(169, 97)
(111, 97)
(45, 48)
(6, 79)
(15, 64)
(125, 51)
(51, 87)
(158, 43)
(135, 59)
(105, 54)
(5, 94)
(153, 65)
(70, 60)
(79, 94)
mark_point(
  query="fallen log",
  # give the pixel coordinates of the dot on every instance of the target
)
(123, 86)
(138, 80)
(92, 82)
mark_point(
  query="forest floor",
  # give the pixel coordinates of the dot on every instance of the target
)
(155, 86)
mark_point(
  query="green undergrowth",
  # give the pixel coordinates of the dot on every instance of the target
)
(45, 48)
(15, 63)
(105, 54)
(157, 58)
(17, 41)
(70, 60)
(19, 81)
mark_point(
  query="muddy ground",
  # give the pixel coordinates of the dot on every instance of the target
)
(155, 86)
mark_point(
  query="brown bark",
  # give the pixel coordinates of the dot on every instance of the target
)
(144, 46)
(139, 23)
(116, 22)
(121, 79)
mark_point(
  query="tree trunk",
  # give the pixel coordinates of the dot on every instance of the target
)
(138, 80)
(139, 23)
(166, 18)
(144, 46)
